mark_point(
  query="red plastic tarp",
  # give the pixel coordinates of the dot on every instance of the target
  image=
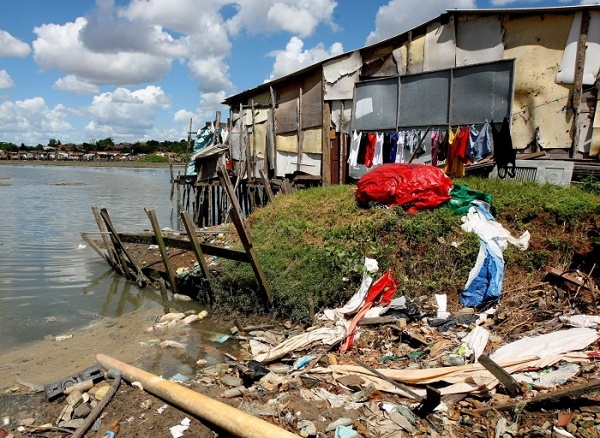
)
(412, 185)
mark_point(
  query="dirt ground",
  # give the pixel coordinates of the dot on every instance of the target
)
(204, 363)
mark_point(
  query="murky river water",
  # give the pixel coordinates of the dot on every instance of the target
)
(50, 282)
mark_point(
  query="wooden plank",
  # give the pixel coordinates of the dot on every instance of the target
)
(508, 381)
(574, 391)
(162, 248)
(150, 239)
(238, 221)
(109, 248)
(191, 231)
(399, 385)
(121, 251)
(96, 248)
(571, 278)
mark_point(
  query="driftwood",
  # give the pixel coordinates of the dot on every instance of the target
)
(508, 381)
(573, 391)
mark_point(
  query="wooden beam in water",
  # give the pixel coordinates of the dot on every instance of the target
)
(109, 248)
(191, 231)
(238, 221)
(163, 249)
(121, 252)
(150, 239)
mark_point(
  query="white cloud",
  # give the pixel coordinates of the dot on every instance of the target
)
(129, 36)
(294, 57)
(299, 17)
(211, 73)
(125, 112)
(58, 47)
(183, 116)
(5, 80)
(27, 121)
(401, 15)
(74, 85)
(12, 47)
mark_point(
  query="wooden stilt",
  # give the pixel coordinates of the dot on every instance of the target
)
(163, 249)
(191, 231)
(267, 186)
(238, 221)
(109, 248)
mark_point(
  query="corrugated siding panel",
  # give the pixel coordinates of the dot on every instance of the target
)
(287, 107)
(312, 101)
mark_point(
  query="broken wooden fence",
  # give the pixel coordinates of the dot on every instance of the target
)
(116, 255)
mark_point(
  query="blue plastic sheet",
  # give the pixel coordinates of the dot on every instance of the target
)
(485, 279)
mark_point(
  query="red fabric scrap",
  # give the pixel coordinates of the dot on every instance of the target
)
(415, 186)
(386, 286)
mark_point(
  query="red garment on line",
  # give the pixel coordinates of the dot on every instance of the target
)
(371, 140)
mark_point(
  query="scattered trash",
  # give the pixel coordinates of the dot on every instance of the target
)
(172, 344)
(345, 432)
(63, 337)
(180, 297)
(177, 431)
(302, 362)
(180, 378)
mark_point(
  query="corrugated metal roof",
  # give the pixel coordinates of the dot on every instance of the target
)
(301, 72)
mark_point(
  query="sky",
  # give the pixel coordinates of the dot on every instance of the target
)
(136, 70)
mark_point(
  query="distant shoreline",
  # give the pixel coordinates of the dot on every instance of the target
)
(88, 163)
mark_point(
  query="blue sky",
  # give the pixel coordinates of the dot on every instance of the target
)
(135, 70)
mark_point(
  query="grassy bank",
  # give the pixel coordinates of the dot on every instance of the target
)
(312, 244)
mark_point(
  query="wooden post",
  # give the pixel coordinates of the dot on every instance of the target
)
(300, 137)
(343, 157)
(109, 248)
(273, 132)
(508, 381)
(253, 149)
(191, 230)
(217, 127)
(267, 186)
(577, 89)
(96, 248)
(238, 221)
(163, 249)
(121, 253)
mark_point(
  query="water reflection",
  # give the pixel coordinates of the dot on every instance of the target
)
(49, 282)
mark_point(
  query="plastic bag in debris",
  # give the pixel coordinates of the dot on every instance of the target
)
(413, 186)
(463, 196)
(385, 287)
